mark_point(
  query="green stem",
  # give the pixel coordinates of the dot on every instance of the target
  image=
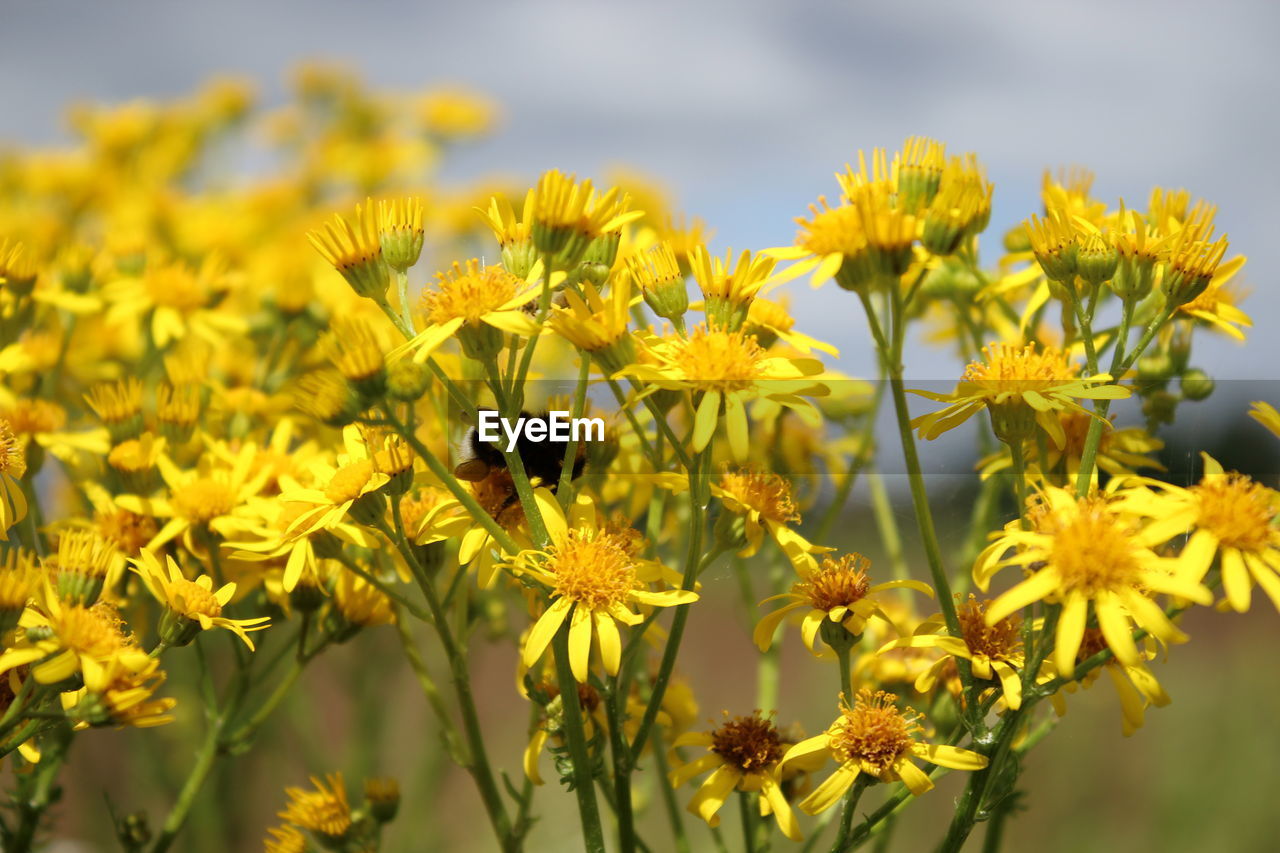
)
(887, 525)
(575, 737)
(429, 689)
(748, 821)
(697, 509)
(402, 290)
(41, 786)
(1017, 451)
(526, 357)
(615, 707)
(669, 795)
(1121, 363)
(480, 768)
(195, 781)
(850, 809)
(564, 487)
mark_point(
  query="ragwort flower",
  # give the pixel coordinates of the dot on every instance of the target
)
(877, 738)
(595, 576)
(1088, 555)
(744, 754)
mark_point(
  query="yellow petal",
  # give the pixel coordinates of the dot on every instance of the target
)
(1070, 634)
(1032, 589)
(704, 422)
(580, 642)
(610, 644)
(830, 791)
(544, 629)
(1115, 628)
(1235, 580)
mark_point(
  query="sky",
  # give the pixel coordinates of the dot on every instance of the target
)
(746, 109)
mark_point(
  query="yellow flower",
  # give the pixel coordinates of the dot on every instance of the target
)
(744, 754)
(1217, 304)
(595, 577)
(119, 406)
(1019, 387)
(115, 693)
(1083, 552)
(456, 113)
(356, 476)
(1135, 685)
(360, 602)
(1121, 452)
(193, 606)
(596, 324)
(1266, 414)
(765, 502)
(324, 811)
(657, 275)
(13, 465)
(72, 636)
(355, 252)
(300, 551)
(477, 303)
(1233, 519)
(285, 838)
(875, 737)
(828, 241)
(400, 232)
(839, 592)
(568, 214)
(177, 301)
(728, 289)
(203, 500)
(770, 321)
(731, 367)
(993, 651)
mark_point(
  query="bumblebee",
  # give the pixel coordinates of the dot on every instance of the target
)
(485, 464)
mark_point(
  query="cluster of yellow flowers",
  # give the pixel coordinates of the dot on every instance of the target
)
(207, 423)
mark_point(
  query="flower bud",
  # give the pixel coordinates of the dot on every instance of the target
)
(407, 380)
(1096, 259)
(1196, 384)
(400, 232)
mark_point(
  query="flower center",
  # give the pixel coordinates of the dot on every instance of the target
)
(1001, 641)
(836, 583)
(748, 743)
(1238, 511)
(771, 315)
(595, 570)
(12, 460)
(1093, 552)
(128, 531)
(832, 230)
(175, 287)
(89, 630)
(469, 293)
(1010, 368)
(874, 732)
(191, 599)
(720, 360)
(767, 494)
(349, 481)
(134, 455)
(204, 499)
(28, 417)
